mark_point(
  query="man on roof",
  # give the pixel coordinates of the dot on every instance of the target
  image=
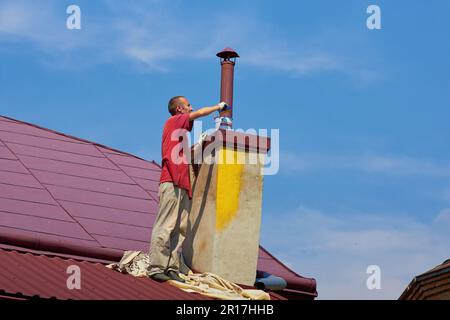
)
(175, 194)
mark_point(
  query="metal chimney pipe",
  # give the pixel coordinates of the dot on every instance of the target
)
(227, 61)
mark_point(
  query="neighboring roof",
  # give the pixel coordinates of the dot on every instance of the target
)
(66, 195)
(431, 285)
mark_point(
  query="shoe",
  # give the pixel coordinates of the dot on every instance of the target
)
(174, 276)
(160, 277)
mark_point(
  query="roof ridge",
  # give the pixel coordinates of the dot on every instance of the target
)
(23, 250)
(76, 138)
(280, 262)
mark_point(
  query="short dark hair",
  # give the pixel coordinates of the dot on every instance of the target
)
(173, 104)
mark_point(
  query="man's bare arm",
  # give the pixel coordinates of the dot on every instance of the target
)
(203, 112)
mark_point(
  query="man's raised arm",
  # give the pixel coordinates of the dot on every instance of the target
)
(206, 111)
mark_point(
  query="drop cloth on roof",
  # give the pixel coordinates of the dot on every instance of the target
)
(136, 263)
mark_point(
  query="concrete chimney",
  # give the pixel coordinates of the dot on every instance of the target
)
(223, 230)
(227, 61)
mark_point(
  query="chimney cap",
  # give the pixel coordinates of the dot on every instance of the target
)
(227, 53)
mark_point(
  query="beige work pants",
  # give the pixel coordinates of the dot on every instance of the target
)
(169, 229)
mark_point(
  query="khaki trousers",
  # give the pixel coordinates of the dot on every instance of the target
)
(169, 229)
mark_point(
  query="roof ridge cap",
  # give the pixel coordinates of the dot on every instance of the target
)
(283, 264)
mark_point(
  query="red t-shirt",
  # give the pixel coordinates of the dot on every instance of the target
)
(175, 168)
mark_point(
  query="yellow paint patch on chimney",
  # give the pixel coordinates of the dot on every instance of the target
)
(229, 173)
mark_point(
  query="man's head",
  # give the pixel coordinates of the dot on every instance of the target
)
(178, 105)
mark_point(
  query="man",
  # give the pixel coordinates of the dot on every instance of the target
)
(175, 192)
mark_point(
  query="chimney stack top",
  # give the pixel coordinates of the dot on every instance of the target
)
(227, 53)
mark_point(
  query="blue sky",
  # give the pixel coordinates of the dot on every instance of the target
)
(363, 114)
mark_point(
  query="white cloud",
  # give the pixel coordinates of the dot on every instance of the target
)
(39, 24)
(156, 34)
(397, 165)
(337, 249)
(154, 38)
(294, 61)
(15, 19)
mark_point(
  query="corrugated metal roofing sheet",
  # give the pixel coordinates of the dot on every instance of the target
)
(32, 275)
(40, 276)
(79, 197)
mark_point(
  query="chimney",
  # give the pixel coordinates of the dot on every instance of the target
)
(227, 61)
(223, 229)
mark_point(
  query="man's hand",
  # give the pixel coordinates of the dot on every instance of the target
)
(223, 106)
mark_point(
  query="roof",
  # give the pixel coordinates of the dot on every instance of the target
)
(80, 199)
(19, 277)
(431, 285)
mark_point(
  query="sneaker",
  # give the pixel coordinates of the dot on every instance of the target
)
(174, 276)
(160, 277)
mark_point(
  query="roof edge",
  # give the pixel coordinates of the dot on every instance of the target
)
(297, 282)
(35, 242)
(78, 139)
(280, 262)
(17, 241)
(413, 286)
(291, 294)
(8, 247)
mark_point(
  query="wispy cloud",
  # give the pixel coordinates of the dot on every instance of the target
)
(337, 249)
(390, 164)
(156, 34)
(154, 38)
(20, 18)
(37, 23)
(295, 62)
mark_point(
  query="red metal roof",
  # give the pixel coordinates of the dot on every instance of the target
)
(30, 275)
(71, 196)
